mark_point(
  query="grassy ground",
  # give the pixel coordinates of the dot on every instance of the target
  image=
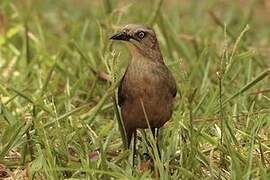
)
(58, 72)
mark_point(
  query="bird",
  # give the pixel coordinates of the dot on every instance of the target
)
(147, 90)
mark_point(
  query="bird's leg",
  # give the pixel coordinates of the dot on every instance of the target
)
(155, 134)
(129, 137)
(133, 133)
(153, 130)
(134, 147)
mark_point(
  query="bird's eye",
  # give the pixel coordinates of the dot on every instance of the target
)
(141, 34)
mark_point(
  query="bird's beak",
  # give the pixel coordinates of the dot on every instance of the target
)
(121, 36)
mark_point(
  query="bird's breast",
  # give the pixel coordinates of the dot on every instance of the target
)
(144, 80)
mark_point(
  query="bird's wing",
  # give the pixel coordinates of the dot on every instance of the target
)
(121, 95)
(170, 81)
(172, 84)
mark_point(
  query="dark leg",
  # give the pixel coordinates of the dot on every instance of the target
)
(155, 134)
(134, 147)
(129, 138)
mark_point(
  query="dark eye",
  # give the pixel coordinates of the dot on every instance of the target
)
(141, 34)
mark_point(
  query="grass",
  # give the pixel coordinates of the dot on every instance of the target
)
(59, 72)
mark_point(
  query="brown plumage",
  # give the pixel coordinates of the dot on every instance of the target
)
(146, 81)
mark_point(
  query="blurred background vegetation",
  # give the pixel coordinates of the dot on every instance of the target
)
(58, 72)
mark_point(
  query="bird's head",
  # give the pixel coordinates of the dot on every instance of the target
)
(140, 39)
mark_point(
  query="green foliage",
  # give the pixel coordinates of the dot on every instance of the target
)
(59, 72)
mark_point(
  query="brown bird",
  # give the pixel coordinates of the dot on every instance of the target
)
(147, 89)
